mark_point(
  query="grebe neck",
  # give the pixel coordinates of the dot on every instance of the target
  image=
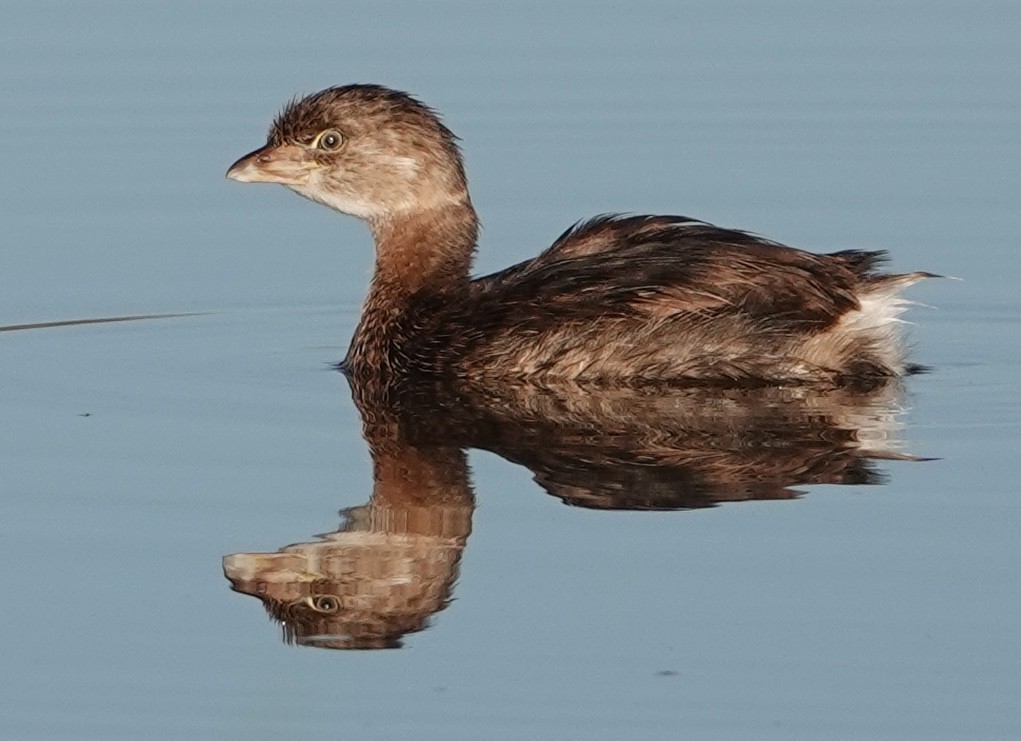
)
(419, 255)
(428, 249)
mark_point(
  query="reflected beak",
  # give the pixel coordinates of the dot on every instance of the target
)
(285, 164)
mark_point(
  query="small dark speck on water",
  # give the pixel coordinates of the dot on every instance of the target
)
(666, 673)
(85, 414)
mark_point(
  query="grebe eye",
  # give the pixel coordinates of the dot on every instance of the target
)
(329, 140)
(323, 603)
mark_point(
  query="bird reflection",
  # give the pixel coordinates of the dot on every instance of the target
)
(390, 566)
(393, 562)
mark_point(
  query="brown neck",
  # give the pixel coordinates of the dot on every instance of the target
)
(427, 252)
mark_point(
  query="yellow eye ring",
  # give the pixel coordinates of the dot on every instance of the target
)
(323, 603)
(329, 140)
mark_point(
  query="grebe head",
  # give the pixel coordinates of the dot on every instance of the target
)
(364, 150)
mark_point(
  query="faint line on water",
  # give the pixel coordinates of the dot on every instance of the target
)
(98, 320)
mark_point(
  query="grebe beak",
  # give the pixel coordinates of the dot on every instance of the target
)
(285, 164)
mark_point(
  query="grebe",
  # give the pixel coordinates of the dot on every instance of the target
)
(616, 299)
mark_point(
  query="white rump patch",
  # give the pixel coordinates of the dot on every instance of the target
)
(879, 311)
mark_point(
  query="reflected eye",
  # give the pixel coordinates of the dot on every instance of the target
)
(323, 603)
(329, 140)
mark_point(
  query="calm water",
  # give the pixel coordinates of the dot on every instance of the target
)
(137, 455)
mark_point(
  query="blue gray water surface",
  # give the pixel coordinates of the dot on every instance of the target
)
(137, 455)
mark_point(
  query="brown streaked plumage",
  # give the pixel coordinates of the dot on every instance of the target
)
(616, 299)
